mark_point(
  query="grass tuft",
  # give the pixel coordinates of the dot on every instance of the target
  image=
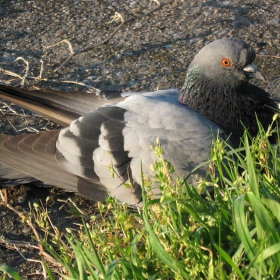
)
(227, 228)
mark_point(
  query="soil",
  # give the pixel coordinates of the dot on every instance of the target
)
(149, 52)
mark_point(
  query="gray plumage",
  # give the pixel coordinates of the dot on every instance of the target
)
(215, 98)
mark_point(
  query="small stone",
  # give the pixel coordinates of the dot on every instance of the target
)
(120, 74)
(133, 4)
(21, 199)
(168, 46)
(26, 230)
(226, 3)
(143, 69)
(61, 32)
(274, 21)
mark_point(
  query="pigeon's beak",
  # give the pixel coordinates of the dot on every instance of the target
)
(252, 72)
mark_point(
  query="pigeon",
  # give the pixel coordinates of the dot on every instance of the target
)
(105, 143)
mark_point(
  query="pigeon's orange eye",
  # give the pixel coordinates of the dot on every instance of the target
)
(226, 62)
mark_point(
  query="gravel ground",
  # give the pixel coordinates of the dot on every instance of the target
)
(148, 52)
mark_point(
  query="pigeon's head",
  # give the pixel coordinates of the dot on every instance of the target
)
(227, 61)
(217, 87)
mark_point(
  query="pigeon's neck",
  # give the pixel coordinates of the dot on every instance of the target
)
(228, 106)
(210, 98)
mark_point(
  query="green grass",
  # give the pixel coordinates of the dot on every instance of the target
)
(227, 228)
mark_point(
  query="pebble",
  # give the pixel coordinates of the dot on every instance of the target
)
(274, 21)
(133, 4)
(143, 70)
(120, 74)
(226, 3)
(21, 199)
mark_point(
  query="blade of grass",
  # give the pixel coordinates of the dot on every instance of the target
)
(269, 252)
(59, 259)
(135, 271)
(10, 270)
(111, 269)
(266, 223)
(79, 259)
(159, 250)
(155, 243)
(263, 216)
(273, 206)
(242, 227)
(251, 168)
(228, 259)
(89, 262)
(134, 251)
(95, 258)
(47, 268)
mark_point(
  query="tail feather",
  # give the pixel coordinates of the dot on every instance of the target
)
(59, 106)
(25, 157)
(12, 177)
(17, 150)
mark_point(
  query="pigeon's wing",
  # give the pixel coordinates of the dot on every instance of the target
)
(61, 107)
(184, 134)
(118, 139)
(92, 147)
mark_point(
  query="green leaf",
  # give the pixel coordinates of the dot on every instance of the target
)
(10, 270)
(251, 168)
(80, 260)
(271, 234)
(159, 250)
(111, 269)
(135, 271)
(242, 227)
(48, 270)
(134, 251)
(155, 243)
(95, 258)
(263, 216)
(228, 259)
(268, 253)
(89, 262)
(273, 206)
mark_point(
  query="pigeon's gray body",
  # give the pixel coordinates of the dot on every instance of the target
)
(118, 133)
(116, 136)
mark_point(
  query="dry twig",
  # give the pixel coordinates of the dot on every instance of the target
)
(40, 246)
(3, 114)
(26, 69)
(116, 17)
(73, 53)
